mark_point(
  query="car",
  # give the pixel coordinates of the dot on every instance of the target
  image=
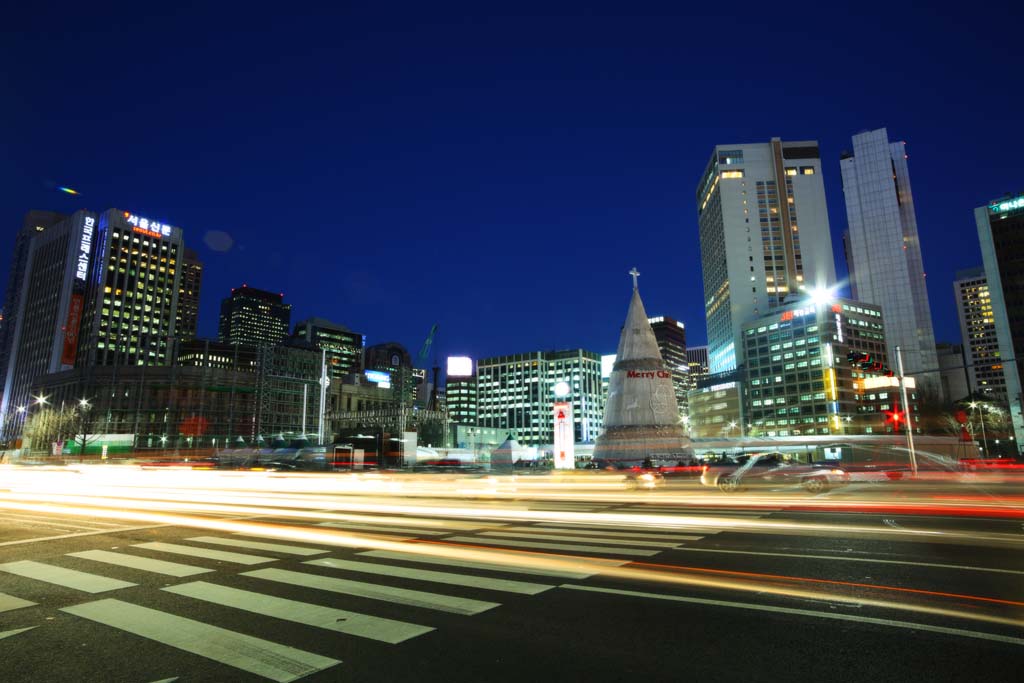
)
(762, 469)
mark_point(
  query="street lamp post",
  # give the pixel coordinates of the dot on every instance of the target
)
(984, 439)
(906, 409)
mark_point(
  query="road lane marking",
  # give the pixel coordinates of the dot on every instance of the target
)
(626, 534)
(382, 529)
(583, 539)
(350, 623)
(237, 558)
(487, 583)
(255, 655)
(37, 539)
(68, 578)
(8, 634)
(806, 613)
(401, 596)
(496, 566)
(145, 564)
(256, 545)
(91, 525)
(9, 602)
(476, 540)
(854, 559)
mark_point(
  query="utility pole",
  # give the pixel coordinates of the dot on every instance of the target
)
(906, 409)
(323, 392)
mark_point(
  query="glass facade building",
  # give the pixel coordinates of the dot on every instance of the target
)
(1001, 233)
(884, 250)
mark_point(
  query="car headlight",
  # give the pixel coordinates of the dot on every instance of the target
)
(647, 477)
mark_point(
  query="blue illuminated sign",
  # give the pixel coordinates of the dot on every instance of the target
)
(378, 377)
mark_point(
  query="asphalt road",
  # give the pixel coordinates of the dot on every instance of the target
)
(287, 583)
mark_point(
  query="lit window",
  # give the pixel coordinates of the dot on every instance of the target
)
(731, 174)
(790, 171)
(807, 170)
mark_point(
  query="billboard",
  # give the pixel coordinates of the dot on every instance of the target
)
(460, 366)
(76, 304)
(565, 438)
(379, 377)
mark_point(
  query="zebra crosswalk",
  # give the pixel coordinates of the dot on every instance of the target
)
(383, 595)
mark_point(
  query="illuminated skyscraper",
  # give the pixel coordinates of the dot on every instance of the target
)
(764, 234)
(984, 369)
(884, 251)
(43, 337)
(671, 337)
(131, 301)
(34, 223)
(460, 391)
(1001, 233)
(254, 316)
(515, 394)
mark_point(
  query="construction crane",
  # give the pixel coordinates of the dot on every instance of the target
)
(424, 358)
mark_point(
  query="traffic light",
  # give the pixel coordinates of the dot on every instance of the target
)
(895, 418)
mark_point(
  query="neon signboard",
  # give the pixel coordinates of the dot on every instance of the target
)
(1007, 205)
(378, 377)
(146, 226)
(797, 313)
(84, 247)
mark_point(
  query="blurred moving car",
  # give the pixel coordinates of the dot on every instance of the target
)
(642, 479)
(768, 469)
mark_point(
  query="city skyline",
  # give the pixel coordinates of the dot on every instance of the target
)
(568, 175)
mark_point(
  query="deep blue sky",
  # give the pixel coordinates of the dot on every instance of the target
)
(492, 167)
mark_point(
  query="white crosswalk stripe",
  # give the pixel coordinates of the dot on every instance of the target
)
(477, 540)
(496, 566)
(237, 558)
(9, 602)
(522, 587)
(351, 623)
(248, 653)
(145, 564)
(68, 578)
(14, 632)
(258, 545)
(584, 539)
(402, 596)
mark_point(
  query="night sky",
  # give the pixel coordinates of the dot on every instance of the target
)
(495, 168)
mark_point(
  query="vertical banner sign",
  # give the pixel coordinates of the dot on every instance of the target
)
(565, 457)
(74, 320)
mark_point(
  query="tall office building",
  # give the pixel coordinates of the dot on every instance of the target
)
(984, 365)
(344, 347)
(671, 337)
(34, 223)
(884, 251)
(460, 391)
(131, 301)
(43, 336)
(516, 393)
(254, 316)
(764, 234)
(697, 359)
(1001, 233)
(188, 296)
